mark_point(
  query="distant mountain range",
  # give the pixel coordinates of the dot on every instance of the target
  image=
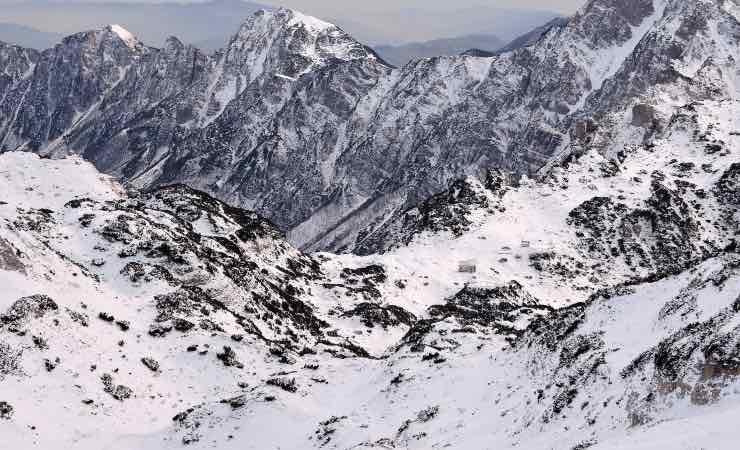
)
(27, 36)
(533, 36)
(193, 23)
(479, 45)
(398, 55)
(153, 23)
(208, 25)
(399, 27)
(402, 54)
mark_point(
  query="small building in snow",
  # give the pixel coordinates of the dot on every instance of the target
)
(468, 266)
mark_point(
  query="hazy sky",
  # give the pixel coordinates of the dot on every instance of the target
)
(563, 6)
(343, 6)
(370, 21)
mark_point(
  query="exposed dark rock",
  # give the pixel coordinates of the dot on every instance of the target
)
(119, 392)
(577, 346)
(23, 309)
(373, 274)
(489, 306)
(159, 330)
(363, 281)
(565, 267)
(6, 411)
(661, 236)
(185, 301)
(10, 359)
(39, 342)
(86, 220)
(327, 428)
(229, 358)
(448, 211)
(384, 316)
(236, 402)
(151, 364)
(50, 365)
(182, 325)
(727, 189)
(79, 317)
(78, 202)
(286, 384)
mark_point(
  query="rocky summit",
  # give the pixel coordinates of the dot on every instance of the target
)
(288, 244)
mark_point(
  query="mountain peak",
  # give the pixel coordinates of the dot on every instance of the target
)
(298, 18)
(290, 43)
(289, 19)
(126, 36)
(106, 36)
(631, 11)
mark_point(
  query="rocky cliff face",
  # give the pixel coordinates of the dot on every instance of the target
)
(300, 122)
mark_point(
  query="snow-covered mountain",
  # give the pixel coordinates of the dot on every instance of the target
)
(544, 243)
(596, 308)
(401, 54)
(305, 125)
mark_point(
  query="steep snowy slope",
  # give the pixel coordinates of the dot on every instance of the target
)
(121, 310)
(303, 124)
